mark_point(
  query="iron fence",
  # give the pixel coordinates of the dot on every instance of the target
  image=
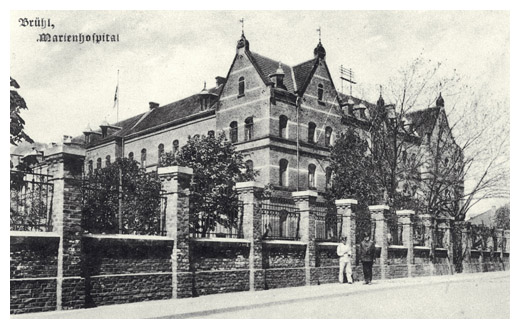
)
(31, 198)
(419, 234)
(328, 225)
(280, 220)
(113, 208)
(440, 235)
(395, 232)
(364, 225)
(228, 225)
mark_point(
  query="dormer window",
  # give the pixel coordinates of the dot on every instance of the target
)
(320, 93)
(241, 86)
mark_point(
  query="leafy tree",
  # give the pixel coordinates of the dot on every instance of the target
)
(352, 169)
(122, 187)
(217, 166)
(17, 123)
(502, 217)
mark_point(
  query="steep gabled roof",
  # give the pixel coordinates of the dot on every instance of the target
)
(423, 121)
(302, 72)
(266, 66)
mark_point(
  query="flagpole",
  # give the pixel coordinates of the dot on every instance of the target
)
(117, 115)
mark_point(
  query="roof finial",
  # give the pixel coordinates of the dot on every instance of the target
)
(380, 90)
(319, 33)
(204, 84)
(242, 21)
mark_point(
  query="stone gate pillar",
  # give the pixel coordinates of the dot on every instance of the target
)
(250, 194)
(379, 215)
(175, 181)
(65, 165)
(305, 202)
(429, 227)
(348, 225)
(404, 217)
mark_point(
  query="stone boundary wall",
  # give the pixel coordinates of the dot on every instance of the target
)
(69, 268)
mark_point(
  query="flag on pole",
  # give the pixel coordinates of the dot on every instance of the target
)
(115, 96)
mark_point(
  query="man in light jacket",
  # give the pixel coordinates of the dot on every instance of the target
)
(367, 256)
(344, 252)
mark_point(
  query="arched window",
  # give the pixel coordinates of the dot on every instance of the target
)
(143, 158)
(328, 177)
(328, 136)
(241, 86)
(175, 145)
(160, 152)
(282, 172)
(249, 166)
(311, 132)
(107, 161)
(320, 93)
(90, 167)
(131, 156)
(248, 129)
(233, 132)
(312, 176)
(282, 126)
(412, 158)
(405, 157)
(98, 163)
(446, 162)
(211, 133)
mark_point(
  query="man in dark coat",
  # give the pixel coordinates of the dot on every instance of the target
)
(367, 256)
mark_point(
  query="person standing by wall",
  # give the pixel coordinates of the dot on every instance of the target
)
(344, 252)
(367, 256)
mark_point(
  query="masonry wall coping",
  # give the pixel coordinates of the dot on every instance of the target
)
(378, 207)
(65, 148)
(175, 170)
(34, 234)
(397, 246)
(128, 237)
(251, 184)
(346, 202)
(421, 247)
(221, 241)
(404, 212)
(284, 242)
(305, 193)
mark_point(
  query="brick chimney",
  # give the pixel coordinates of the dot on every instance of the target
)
(153, 105)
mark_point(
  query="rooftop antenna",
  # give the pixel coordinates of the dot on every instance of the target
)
(346, 75)
(242, 21)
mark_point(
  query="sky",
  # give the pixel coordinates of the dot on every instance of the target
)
(163, 56)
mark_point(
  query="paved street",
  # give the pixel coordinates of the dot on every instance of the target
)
(478, 295)
(487, 298)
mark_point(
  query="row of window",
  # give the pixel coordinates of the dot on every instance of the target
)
(283, 175)
(242, 88)
(282, 131)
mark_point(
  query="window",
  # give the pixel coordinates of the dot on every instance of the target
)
(211, 133)
(160, 152)
(98, 163)
(328, 177)
(412, 158)
(175, 145)
(241, 86)
(283, 172)
(405, 157)
(131, 156)
(249, 166)
(90, 166)
(282, 126)
(233, 132)
(248, 129)
(107, 161)
(311, 132)
(143, 158)
(312, 176)
(320, 93)
(328, 136)
(446, 162)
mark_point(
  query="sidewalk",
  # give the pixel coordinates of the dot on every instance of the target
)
(213, 304)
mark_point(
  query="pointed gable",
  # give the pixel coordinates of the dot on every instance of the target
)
(302, 73)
